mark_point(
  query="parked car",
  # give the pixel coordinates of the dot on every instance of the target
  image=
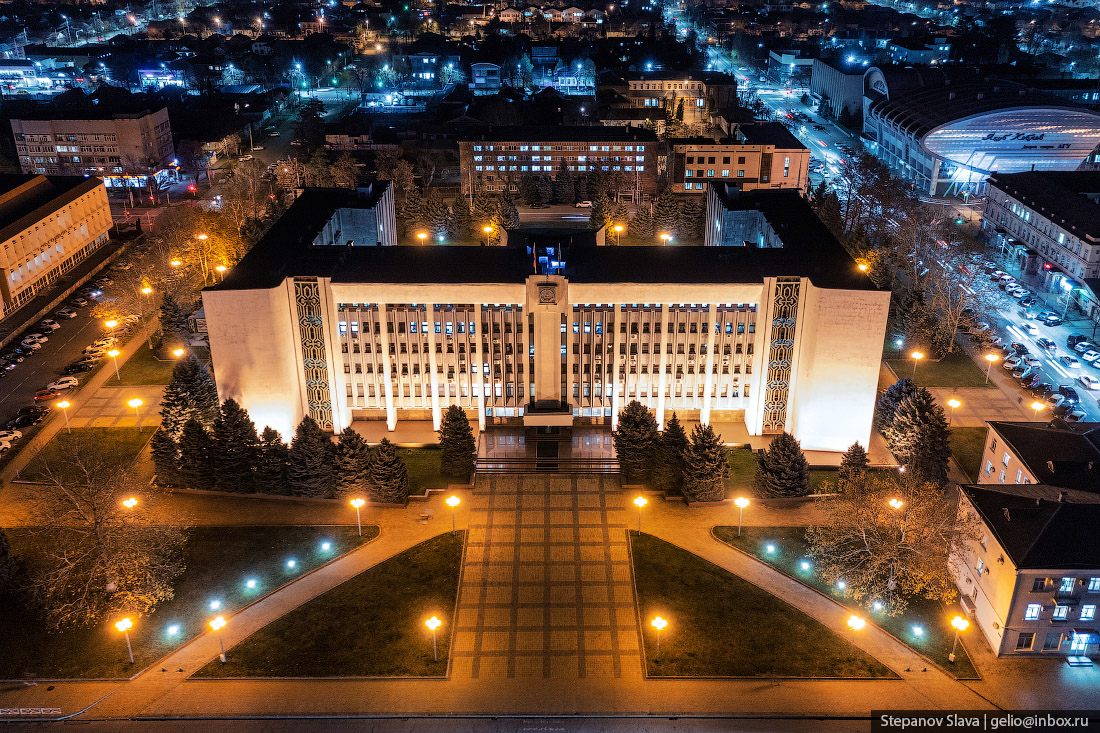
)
(78, 367)
(46, 394)
(244, 158)
(30, 345)
(1092, 356)
(1074, 339)
(1032, 380)
(1041, 389)
(1074, 416)
(6, 365)
(63, 383)
(996, 342)
(49, 324)
(79, 302)
(1069, 393)
(104, 282)
(1089, 382)
(23, 421)
(1022, 372)
(1051, 320)
(1070, 362)
(997, 274)
(34, 410)
(1045, 343)
(10, 435)
(34, 338)
(1019, 293)
(65, 313)
(583, 205)
(1018, 348)
(1082, 346)
(1027, 301)
(1030, 328)
(1054, 399)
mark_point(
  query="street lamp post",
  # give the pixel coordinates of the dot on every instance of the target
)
(855, 623)
(124, 626)
(113, 353)
(136, 403)
(221, 272)
(960, 624)
(64, 405)
(640, 502)
(452, 502)
(422, 236)
(917, 356)
(488, 233)
(434, 623)
(665, 237)
(358, 503)
(992, 359)
(952, 403)
(618, 229)
(217, 624)
(659, 624)
(740, 502)
(146, 291)
(1037, 407)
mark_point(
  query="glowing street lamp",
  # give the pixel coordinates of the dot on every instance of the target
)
(1038, 407)
(434, 623)
(960, 624)
(110, 323)
(64, 406)
(896, 503)
(178, 352)
(917, 356)
(422, 236)
(659, 624)
(862, 266)
(130, 503)
(665, 237)
(488, 233)
(113, 353)
(855, 623)
(618, 229)
(740, 502)
(452, 502)
(221, 271)
(640, 502)
(217, 624)
(124, 625)
(358, 504)
(176, 262)
(952, 403)
(136, 403)
(992, 359)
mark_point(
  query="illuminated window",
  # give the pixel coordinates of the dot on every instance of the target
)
(1032, 612)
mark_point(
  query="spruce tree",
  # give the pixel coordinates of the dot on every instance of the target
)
(173, 323)
(236, 448)
(672, 446)
(666, 215)
(600, 214)
(920, 439)
(462, 224)
(352, 462)
(190, 393)
(889, 401)
(435, 214)
(457, 447)
(782, 469)
(389, 478)
(509, 215)
(545, 188)
(196, 469)
(641, 226)
(852, 474)
(528, 191)
(311, 470)
(706, 466)
(165, 452)
(271, 464)
(563, 189)
(635, 439)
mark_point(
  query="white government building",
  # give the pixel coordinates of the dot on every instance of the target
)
(780, 330)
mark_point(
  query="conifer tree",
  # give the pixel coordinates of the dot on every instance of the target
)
(641, 226)
(706, 466)
(672, 447)
(563, 189)
(389, 478)
(666, 215)
(920, 439)
(435, 214)
(457, 446)
(600, 214)
(782, 469)
(889, 401)
(190, 393)
(311, 470)
(462, 225)
(620, 214)
(352, 462)
(635, 439)
(173, 323)
(196, 469)
(165, 452)
(271, 464)
(545, 188)
(236, 448)
(509, 214)
(852, 474)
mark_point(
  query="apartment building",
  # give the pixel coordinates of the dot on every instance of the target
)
(48, 225)
(703, 94)
(1049, 221)
(764, 155)
(121, 148)
(782, 337)
(496, 161)
(1054, 453)
(1030, 580)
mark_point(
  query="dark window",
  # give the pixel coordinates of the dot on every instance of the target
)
(1025, 640)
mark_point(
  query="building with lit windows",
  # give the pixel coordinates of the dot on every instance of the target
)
(786, 336)
(764, 155)
(48, 225)
(496, 161)
(703, 94)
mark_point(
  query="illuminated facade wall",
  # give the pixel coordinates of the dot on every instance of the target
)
(807, 362)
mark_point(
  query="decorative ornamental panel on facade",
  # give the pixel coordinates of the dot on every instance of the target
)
(307, 297)
(780, 355)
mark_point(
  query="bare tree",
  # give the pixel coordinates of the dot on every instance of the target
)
(98, 557)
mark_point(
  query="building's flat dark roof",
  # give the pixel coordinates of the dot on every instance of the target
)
(583, 134)
(770, 133)
(1056, 456)
(286, 251)
(1039, 533)
(708, 77)
(49, 194)
(1060, 196)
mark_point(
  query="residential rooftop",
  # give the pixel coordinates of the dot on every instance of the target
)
(1069, 198)
(1065, 457)
(27, 199)
(573, 133)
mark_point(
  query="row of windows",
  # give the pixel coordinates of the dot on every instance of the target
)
(1059, 613)
(536, 148)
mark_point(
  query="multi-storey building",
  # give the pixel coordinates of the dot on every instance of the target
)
(47, 227)
(786, 336)
(496, 161)
(1050, 223)
(122, 149)
(1031, 577)
(703, 94)
(1067, 457)
(760, 156)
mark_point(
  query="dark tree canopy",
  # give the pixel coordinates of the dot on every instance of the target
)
(311, 470)
(782, 469)
(457, 447)
(635, 439)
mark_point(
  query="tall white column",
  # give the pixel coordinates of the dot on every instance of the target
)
(480, 374)
(662, 382)
(708, 381)
(391, 410)
(429, 309)
(616, 385)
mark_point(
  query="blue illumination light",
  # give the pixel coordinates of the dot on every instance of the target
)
(291, 563)
(215, 605)
(805, 565)
(841, 584)
(918, 631)
(173, 630)
(770, 548)
(877, 605)
(326, 546)
(250, 584)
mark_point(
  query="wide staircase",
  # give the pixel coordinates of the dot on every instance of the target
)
(545, 450)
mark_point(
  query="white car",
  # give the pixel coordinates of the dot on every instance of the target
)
(1074, 416)
(1031, 360)
(106, 341)
(10, 435)
(62, 383)
(34, 338)
(32, 345)
(1012, 362)
(49, 325)
(1089, 382)
(244, 158)
(1091, 356)
(1055, 399)
(583, 205)
(1070, 362)
(97, 351)
(1030, 328)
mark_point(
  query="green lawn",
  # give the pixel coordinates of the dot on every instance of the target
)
(423, 465)
(370, 626)
(967, 445)
(723, 626)
(141, 368)
(219, 560)
(121, 445)
(956, 369)
(931, 617)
